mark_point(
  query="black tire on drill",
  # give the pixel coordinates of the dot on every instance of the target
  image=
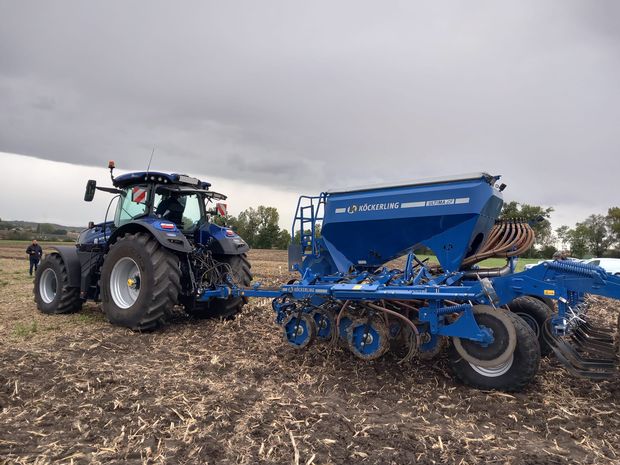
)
(535, 313)
(66, 299)
(547, 301)
(522, 371)
(160, 282)
(242, 276)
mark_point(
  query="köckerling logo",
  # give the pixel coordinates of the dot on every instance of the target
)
(372, 207)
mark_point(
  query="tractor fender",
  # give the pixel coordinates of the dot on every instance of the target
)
(71, 260)
(222, 240)
(172, 240)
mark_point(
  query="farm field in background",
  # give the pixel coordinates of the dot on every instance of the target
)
(74, 389)
(16, 249)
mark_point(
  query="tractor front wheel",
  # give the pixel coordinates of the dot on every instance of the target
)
(512, 374)
(140, 282)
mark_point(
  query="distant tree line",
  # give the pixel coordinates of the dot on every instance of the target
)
(24, 230)
(258, 227)
(597, 235)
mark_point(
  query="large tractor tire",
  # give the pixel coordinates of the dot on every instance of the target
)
(140, 282)
(51, 287)
(513, 374)
(535, 313)
(226, 308)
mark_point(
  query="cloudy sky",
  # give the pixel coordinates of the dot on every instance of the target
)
(272, 99)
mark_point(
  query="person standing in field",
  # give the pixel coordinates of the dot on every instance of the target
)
(35, 252)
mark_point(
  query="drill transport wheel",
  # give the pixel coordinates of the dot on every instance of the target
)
(504, 334)
(508, 374)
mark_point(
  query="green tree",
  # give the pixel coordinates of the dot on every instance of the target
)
(578, 239)
(247, 225)
(613, 223)
(258, 227)
(597, 234)
(268, 229)
(284, 239)
(547, 251)
(563, 235)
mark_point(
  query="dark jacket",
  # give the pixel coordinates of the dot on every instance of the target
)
(35, 252)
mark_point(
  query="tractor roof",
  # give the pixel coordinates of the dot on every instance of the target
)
(142, 177)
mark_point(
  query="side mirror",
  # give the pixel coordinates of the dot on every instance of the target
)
(91, 185)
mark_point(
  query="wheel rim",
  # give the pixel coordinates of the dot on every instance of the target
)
(125, 282)
(48, 285)
(531, 322)
(493, 372)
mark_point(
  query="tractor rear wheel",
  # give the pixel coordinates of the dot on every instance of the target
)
(140, 282)
(51, 287)
(512, 375)
(241, 276)
(535, 313)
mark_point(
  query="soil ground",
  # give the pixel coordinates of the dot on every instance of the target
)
(74, 389)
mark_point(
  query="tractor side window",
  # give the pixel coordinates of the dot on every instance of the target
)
(133, 204)
(192, 213)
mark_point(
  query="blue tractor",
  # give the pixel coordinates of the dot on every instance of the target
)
(160, 250)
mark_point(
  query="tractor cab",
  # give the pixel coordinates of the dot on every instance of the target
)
(178, 198)
(160, 196)
(169, 202)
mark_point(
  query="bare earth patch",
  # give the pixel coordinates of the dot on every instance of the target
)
(74, 389)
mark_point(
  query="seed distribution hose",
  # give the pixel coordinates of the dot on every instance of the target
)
(508, 238)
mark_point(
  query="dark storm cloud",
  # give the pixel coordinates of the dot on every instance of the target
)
(310, 95)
